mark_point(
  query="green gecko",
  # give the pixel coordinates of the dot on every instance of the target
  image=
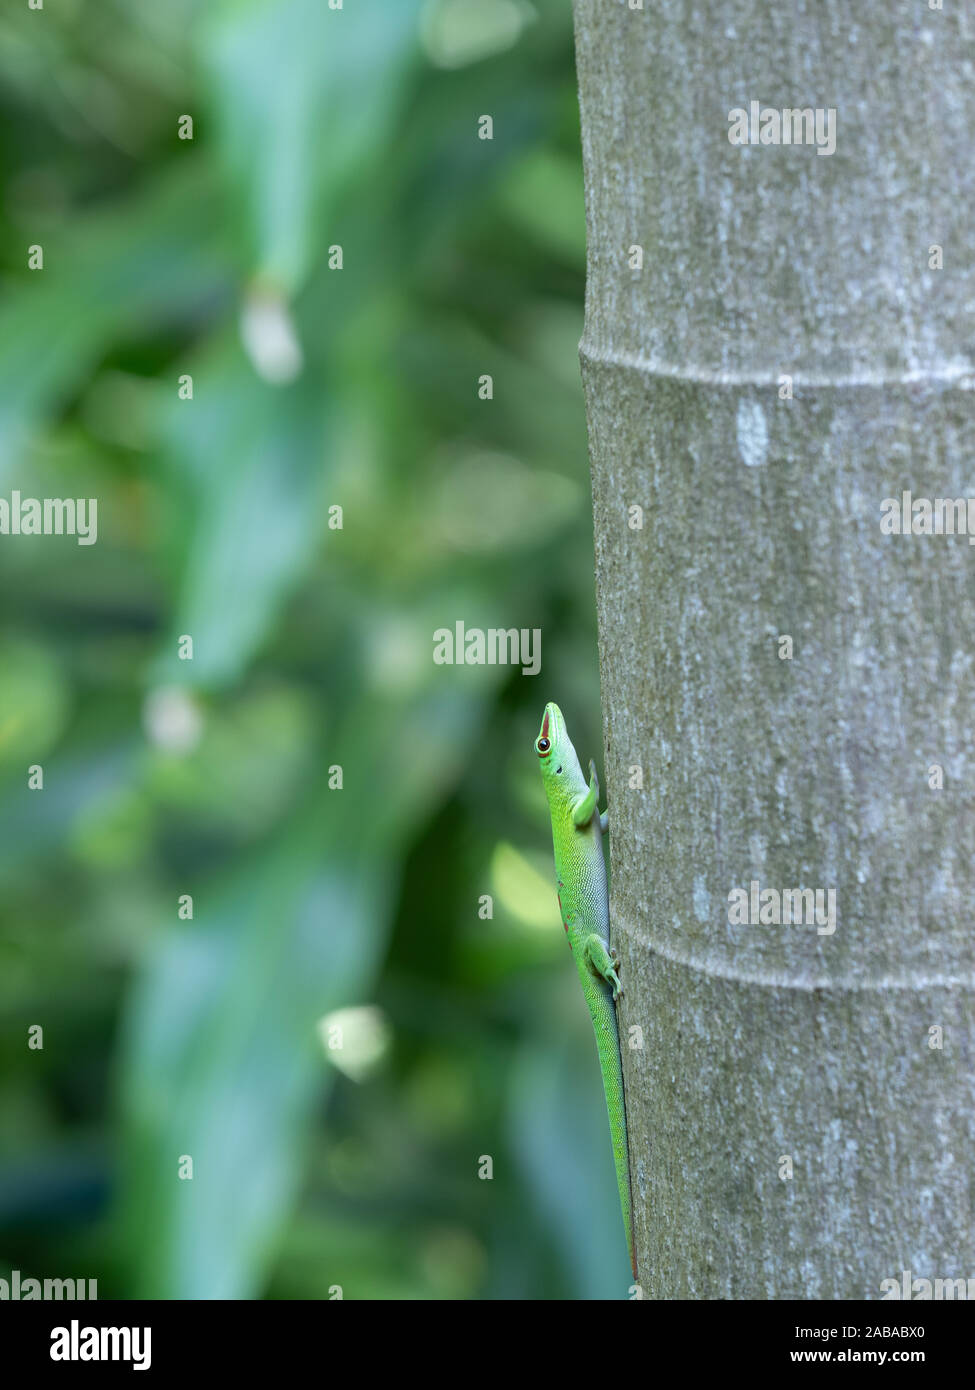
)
(577, 831)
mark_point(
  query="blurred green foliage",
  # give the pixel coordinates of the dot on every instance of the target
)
(314, 387)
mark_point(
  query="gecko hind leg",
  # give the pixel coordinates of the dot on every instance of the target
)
(603, 963)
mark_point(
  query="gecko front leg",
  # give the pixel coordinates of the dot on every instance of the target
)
(585, 808)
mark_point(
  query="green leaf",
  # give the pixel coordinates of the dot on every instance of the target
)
(543, 195)
(560, 1133)
(248, 463)
(220, 1058)
(154, 257)
(286, 79)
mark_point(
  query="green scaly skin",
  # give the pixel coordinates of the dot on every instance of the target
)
(577, 831)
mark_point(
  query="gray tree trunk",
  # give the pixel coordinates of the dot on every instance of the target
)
(765, 1046)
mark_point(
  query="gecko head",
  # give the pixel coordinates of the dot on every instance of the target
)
(557, 759)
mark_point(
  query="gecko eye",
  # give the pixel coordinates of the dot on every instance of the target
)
(543, 746)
